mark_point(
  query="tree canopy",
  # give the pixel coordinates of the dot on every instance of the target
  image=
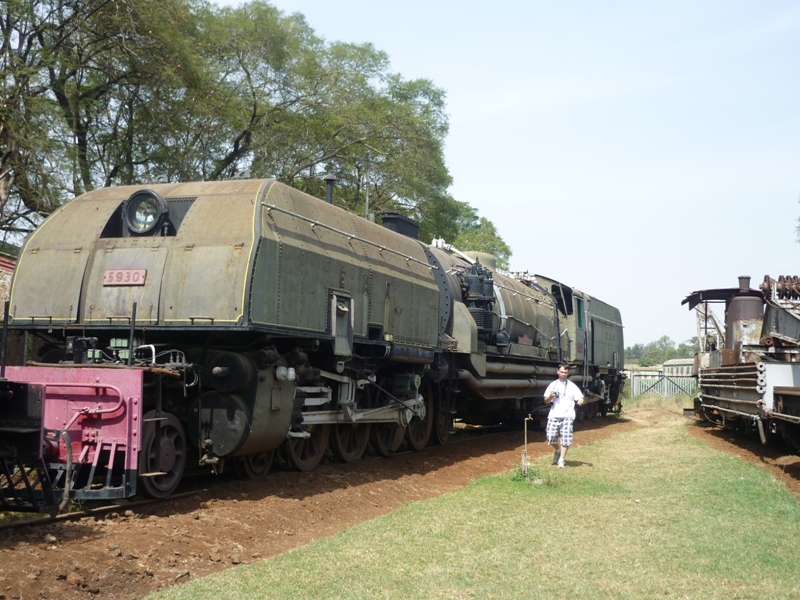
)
(114, 92)
(660, 351)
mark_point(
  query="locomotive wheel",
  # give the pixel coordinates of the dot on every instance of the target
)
(418, 431)
(348, 442)
(386, 438)
(164, 452)
(304, 454)
(442, 424)
(253, 466)
(591, 410)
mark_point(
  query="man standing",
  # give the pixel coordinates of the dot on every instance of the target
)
(563, 394)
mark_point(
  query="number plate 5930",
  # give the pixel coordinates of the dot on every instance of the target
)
(124, 276)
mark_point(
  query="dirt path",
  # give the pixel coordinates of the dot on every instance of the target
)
(129, 554)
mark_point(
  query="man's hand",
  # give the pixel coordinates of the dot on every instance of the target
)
(580, 402)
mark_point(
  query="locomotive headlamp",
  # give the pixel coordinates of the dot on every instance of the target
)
(144, 212)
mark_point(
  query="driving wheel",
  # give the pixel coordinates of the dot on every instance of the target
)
(348, 442)
(253, 466)
(418, 431)
(442, 424)
(304, 454)
(386, 438)
(162, 458)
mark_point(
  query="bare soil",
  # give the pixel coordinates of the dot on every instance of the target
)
(130, 553)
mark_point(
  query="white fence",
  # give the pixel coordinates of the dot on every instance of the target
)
(660, 384)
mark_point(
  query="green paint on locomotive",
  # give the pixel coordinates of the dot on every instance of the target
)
(248, 254)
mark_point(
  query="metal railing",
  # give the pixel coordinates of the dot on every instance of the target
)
(661, 385)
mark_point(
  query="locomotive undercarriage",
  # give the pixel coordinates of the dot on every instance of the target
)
(212, 405)
(201, 410)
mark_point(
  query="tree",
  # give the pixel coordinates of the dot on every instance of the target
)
(661, 350)
(483, 237)
(110, 92)
(688, 348)
(634, 352)
(76, 74)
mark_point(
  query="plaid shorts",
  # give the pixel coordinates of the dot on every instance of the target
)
(559, 426)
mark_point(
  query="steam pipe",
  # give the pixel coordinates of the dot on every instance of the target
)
(67, 471)
(130, 340)
(516, 369)
(481, 384)
(521, 369)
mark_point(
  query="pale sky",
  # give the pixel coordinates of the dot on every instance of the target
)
(635, 150)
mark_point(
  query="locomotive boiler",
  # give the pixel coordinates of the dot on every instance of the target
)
(180, 326)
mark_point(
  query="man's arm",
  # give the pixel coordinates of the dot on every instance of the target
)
(576, 391)
(549, 395)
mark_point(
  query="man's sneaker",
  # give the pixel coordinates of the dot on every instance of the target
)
(556, 456)
(560, 463)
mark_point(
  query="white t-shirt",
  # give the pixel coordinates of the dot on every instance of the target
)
(568, 395)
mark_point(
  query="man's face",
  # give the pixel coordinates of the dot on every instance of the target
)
(563, 373)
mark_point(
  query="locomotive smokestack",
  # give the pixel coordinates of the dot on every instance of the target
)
(744, 283)
(329, 179)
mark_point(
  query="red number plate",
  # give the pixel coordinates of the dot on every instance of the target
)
(124, 276)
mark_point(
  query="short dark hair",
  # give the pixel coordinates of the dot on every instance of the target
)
(563, 366)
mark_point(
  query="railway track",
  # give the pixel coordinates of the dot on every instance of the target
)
(94, 512)
(460, 437)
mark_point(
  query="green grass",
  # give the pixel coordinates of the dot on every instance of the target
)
(648, 513)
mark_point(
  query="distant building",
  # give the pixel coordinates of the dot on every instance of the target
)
(679, 367)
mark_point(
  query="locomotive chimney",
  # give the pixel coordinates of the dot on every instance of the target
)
(329, 179)
(744, 283)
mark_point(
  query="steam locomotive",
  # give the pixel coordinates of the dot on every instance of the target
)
(747, 367)
(178, 326)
